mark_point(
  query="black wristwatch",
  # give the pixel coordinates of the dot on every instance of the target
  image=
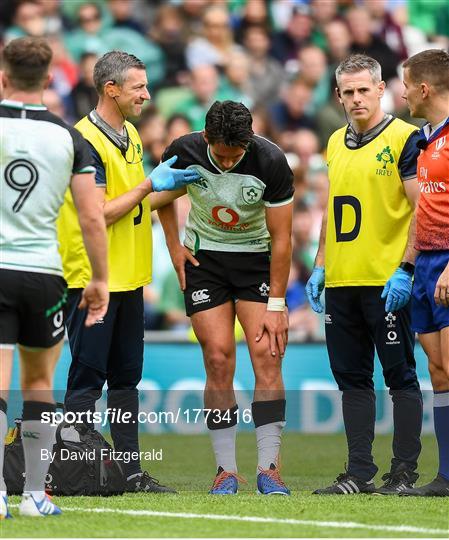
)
(408, 267)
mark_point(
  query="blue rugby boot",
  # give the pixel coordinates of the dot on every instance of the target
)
(269, 482)
(225, 483)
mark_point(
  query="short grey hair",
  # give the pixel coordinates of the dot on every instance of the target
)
(359, 62)
(114, 66)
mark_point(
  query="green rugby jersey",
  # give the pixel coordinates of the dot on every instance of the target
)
(228, 207)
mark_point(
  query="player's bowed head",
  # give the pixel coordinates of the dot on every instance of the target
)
(228, 132)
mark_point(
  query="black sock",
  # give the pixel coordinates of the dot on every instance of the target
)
(359, 415)
(407, 417)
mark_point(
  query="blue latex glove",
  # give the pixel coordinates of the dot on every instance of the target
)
(314, 288)
(164, 178)
(397, 290)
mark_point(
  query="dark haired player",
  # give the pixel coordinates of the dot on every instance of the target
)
(239, 230)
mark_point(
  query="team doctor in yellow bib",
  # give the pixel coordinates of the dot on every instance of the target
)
(369, 218)
(365, 260)
(112, 349)
(130, 242)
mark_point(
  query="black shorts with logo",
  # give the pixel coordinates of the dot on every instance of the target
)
(223, 276)
(32, 308)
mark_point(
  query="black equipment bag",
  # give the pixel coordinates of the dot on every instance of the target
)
(83, 464)
(14, 460)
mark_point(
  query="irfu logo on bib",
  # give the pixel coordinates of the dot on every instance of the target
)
(252, 194)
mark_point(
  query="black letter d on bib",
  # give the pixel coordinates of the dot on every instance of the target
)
(339, 202)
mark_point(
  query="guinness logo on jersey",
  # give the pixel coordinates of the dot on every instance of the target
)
(251, 194)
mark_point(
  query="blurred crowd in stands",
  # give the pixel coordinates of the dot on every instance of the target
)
(276, 56)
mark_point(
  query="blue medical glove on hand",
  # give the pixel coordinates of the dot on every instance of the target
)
(164, 178)
(315, 287)
(397, 290)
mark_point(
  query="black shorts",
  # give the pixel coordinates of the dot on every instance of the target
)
(32, 308)
(224, 276)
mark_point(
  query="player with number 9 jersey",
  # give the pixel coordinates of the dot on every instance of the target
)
(31, 191)
(40, 158)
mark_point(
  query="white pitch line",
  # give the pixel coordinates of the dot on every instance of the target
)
(257, 519)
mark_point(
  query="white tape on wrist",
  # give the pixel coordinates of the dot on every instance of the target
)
(276, 304)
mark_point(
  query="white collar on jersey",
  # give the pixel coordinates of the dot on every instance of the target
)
(20, 105)
(215, 164)
(430, 130)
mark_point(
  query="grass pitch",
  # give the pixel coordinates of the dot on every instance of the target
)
(308, 462)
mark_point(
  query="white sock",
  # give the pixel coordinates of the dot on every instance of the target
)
(223, 442)
(37, 495)
(3, 432)
(268, 444)
(36, 436)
